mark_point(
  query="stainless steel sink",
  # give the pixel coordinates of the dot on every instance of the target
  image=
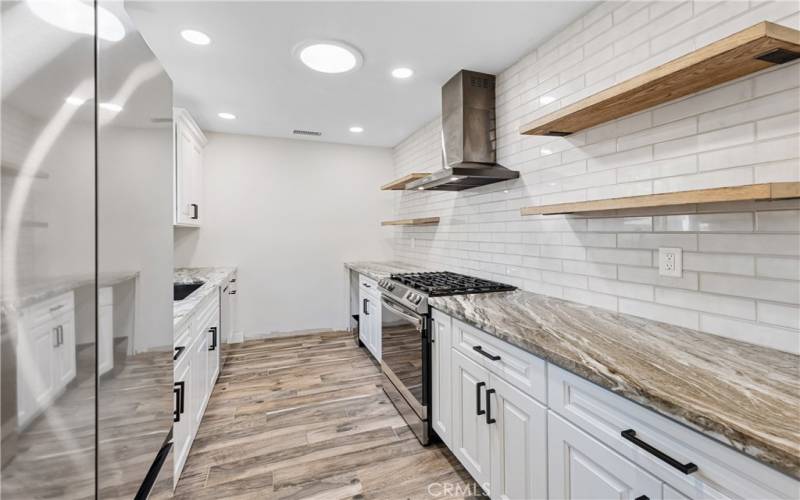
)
(182, 290)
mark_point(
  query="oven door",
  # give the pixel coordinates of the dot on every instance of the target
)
(405, 360)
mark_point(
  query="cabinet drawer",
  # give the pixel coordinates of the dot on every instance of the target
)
(49, 309)
(368, 283)
(721, 471)
(521, 369)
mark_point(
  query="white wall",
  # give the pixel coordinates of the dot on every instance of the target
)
(741, 260)
(289, 213)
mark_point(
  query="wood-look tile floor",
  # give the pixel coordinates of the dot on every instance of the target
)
(305, 417)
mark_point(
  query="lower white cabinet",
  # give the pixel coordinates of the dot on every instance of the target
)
(46, 355)
(441, 390)
(369, 318)
(196, 368)
(470, 438)
(518, 438)
(499, 433)
(583, 468)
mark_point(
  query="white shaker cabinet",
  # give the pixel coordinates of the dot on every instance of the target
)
(188, 175)
(470, 436)
(369, 316)
(441, 395)
(580, 467)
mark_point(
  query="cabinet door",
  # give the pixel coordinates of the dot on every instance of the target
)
(35, 370)
(213, 353)
(188, 171)
(519, 443)
(65, 352)
(581, 467)
(199, 380)
(182, 428)
(364, 322)
(470, 433)
(440, 376)
(375, 326)
(105, 339)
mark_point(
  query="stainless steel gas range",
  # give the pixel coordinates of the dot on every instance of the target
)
(406, 350)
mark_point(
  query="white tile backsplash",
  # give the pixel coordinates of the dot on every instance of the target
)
(741, 274)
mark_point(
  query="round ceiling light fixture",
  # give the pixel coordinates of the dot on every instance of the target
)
(196, 37)
(328, 56)
(226, 116)
(356, 129)
(79, 17)
(402, 73)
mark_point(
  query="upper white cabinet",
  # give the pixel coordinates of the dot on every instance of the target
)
(188, 193)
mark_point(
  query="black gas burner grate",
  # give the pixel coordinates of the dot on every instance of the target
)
(437, 284)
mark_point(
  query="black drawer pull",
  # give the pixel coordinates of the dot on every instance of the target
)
(643, 497)
(178, 391)
(480, 350)
(178, 351)
(630, 435)
(489, 419)
(213, 332)
(478, 386)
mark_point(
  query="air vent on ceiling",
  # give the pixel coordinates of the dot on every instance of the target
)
(306, 132)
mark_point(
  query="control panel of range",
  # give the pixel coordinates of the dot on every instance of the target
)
(404, 295)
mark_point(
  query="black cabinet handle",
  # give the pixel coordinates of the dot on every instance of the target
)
(480, 350)
(478, 386)
(643, 497)
(178, 391)
(233, 292)
(55, 337)
(489, 419)
(630, 435)
(178, 351)
(364, 307)
(213, 332)
(196, 210)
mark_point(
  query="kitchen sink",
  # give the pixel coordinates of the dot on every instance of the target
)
(182, 290)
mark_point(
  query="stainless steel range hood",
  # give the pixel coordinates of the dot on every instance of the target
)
(468, 136)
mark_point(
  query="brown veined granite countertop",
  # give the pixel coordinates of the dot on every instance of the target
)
(212, 277)
(743, 395)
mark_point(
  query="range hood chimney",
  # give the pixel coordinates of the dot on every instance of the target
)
(468, 136)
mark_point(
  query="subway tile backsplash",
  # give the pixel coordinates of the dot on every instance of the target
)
(741, 274)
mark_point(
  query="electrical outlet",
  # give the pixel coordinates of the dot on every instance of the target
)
(670, 262)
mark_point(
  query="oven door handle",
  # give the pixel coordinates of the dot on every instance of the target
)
(415, 320)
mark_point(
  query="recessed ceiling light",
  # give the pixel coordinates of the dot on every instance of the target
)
(227, 116)
(75, 100)
(402, 72)
(110, 106)
(79, 17)
(356, 129)
(196, 37)
(329, 56)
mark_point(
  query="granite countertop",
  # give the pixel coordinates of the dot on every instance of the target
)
(382, 270)
(26, 294)
(212, 276)
(743, 395)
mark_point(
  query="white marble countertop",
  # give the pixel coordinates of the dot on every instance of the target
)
(212, 277)
(382, 270)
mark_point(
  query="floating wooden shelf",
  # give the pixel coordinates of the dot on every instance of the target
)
(400, 184)
(425, 221)
(749, 192)
(753, 49)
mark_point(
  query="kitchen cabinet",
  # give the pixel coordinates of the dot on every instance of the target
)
(182, 432)
(582, 467)
(441, 395)
(213, 351)
(369, 322)
(188, 175)
(46, 355)
(199, 352)
(470, 438)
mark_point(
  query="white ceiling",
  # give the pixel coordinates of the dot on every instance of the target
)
(249, 69)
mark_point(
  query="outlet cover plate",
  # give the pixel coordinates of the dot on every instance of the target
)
(670, 262)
